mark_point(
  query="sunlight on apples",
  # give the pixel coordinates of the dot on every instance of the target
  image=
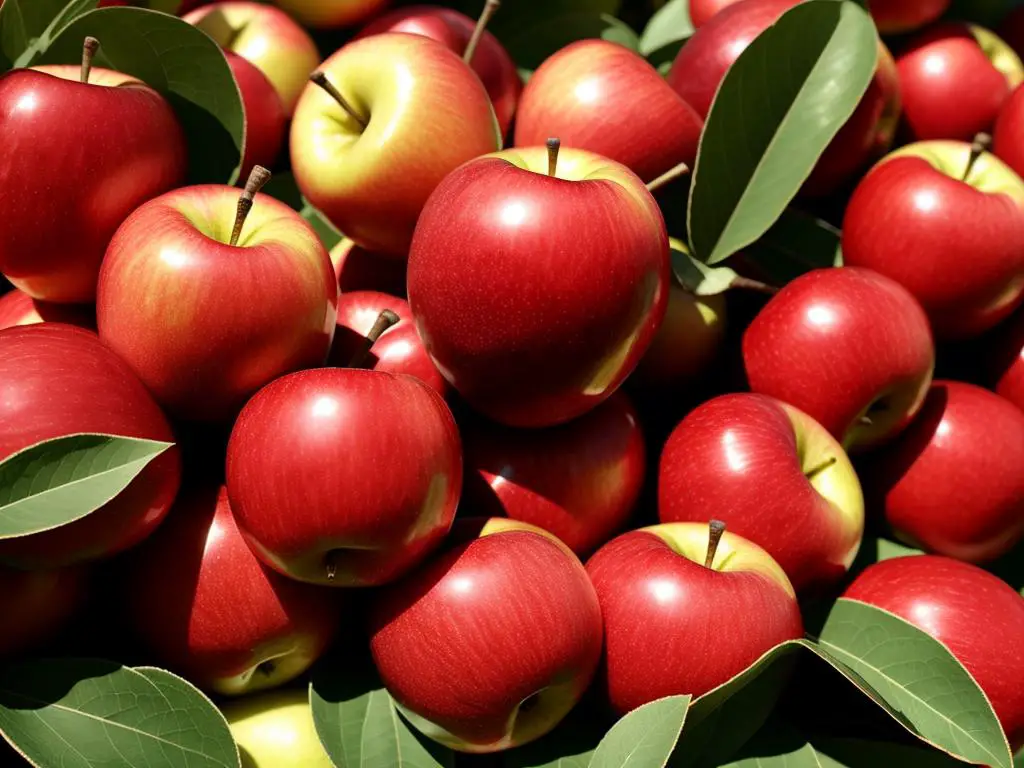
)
(733, 453)
(934, 64)
(172, 257)
(325, 407)
(821, 316)
(26, 103)
(664, 591)
(513, 214)
(588, 91)
(926, 201)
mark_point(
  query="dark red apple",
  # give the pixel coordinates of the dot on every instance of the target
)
(1006, 360)
(18, 308)
(1008, 144)
(36, 604)
(701, 11)
(265, 118)
(360, 270)
(898, 16)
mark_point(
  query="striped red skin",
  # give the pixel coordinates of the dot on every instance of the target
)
(359, 468)
(36, 605)
(599, 96)
(896, 16)
(60, 380)
(205, 324)
(18, 308)
(978, 617)
(428, 114)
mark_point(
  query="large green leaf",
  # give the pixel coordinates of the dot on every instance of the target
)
(666, 32)
(532, 45)
(181, 62)
(27, 27)
(88, 713)
(58, 481)
(779, 106)
(645, 738)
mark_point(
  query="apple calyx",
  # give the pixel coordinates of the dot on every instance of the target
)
(320, 79)
(490, 8)
(258, 177)
(668, 176)
(815, 471)
(385, 320)
(716, 529)
(554, 147)
(89, 49)
(979, 146)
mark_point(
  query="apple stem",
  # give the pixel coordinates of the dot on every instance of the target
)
(257, 178)
(89, 49)
(749, 284)
(669, 176)
(821, 467)
(490, 8)
(385, 320)
(554, 146)
(979, 146)
(319, 78)
(716, 528)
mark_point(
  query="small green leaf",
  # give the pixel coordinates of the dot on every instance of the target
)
(671, 24)
(87, 713)
(699, 278)
(58, 481)
(645, 737)
(796, 244)
(779, 106)
(530, 47)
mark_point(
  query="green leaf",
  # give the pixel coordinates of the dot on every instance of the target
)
(184, 65)
(571, 745)
(670, 25)
(645, 737)
(796, 244)
(87, 713)
(58, 481)
(28, 26)
(779, 106)
(699, 278)
(532, 45)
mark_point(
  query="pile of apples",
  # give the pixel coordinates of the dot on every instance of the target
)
(489, 433)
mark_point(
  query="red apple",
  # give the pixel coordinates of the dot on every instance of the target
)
(683, 614)
(536, 295)
(1008, 143)
(60, 380)
(492, 642)
(36, 604)
(580, 480)
(264, 115)
(359, 270)
(898, 16)
(205, 605)
(344, 477)
(701, 11)
(78, 159)
(18, 308)
(331, 14)
(978, 617)
(914, 216)
(849, 347)
(955, 79)
(1006, 360)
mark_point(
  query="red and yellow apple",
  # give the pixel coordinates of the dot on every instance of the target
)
(276, 730)
(18, 308)
(331, 14)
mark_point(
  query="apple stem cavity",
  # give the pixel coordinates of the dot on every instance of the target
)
(716, 529)
(385, 320)
(668, 177)
(490, 8)
(89, 49)
(257, 178)
(979, 146)
(757, 286)
(320, 79)
(831, 462)
(554, 146)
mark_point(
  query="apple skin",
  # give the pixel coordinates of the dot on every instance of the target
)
(36, 604)
(597, 95)
(363, 480)
(276, 730)
(267, 37)
(359, 270)
(219, 321)
(331, 14)
(911, 218)
(1006, 360)
(18, 308)
(660, 602)
(487, 624)
(899, 16)
(113, 143)
(840, 344)
(264, 115)
(428, 114)
(579, 264)
(701, 11)
(955, 79)
(580, 481)
(491, 61)
(978, 617)
(60, 380)
(398, 350)
(199, 599)
(1008, 136)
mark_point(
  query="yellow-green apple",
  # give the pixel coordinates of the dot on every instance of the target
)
(359, 270)
(1008, 137)
(78, 158)
(37, 604)
(774, 476)
(344, 477)
(490, 60)
(580, 480)
(276, 730)
(599, 96)
(331, 14)
(955, 79)
(264, 115)
(1006, 360)
(410, 112)
(397, 349)
(849, 347)
(664, 593)
(914, 215)
(204, 604)
(493, 641)
(538, 280)
(61, 380)
(978, 617)
(265, 36)
(18, 308)
(951, 484)
(225, 310)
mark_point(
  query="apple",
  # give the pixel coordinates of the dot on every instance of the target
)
(344, 477)
(37, 604)
(18, 308)
(264, 115)
(397, 349)
(701, 11)
(276, 730)
(61, 380)
(331, 14)
(410, 112)
(898, 16)
(359, 270)
(492, 642)
(265, 36)
(602, 97)
(227, 310)
(686, 607)
(1005, 360)
(202, 602)
(1009, 132)
(978, 617)
(925, 205)
(78, 158)
(955, 79)
(849, 347)
(580, 481)
(774, 476)
(490, 60)
(537, 280)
